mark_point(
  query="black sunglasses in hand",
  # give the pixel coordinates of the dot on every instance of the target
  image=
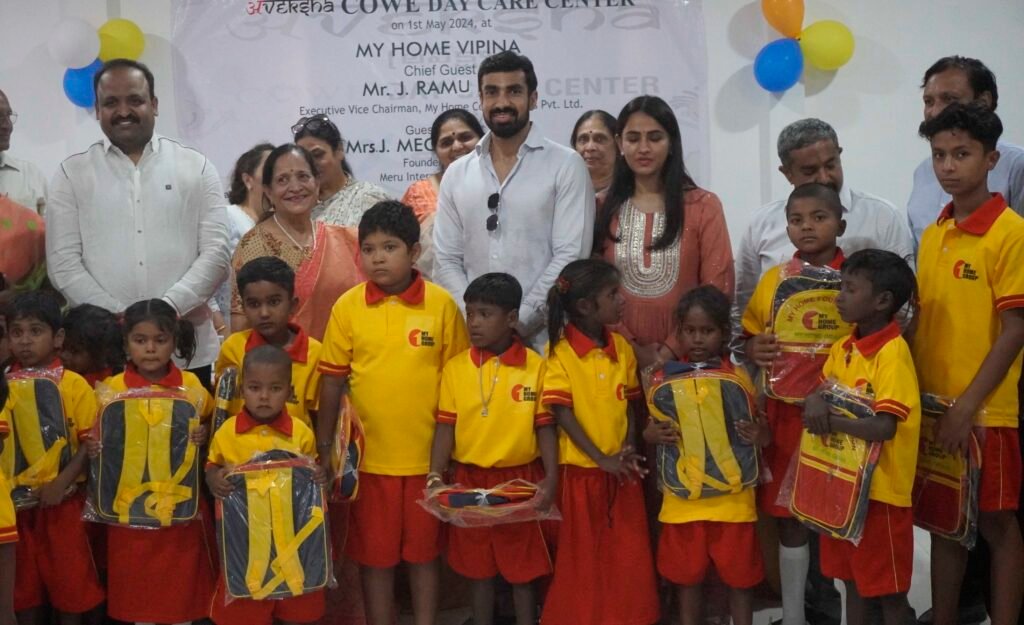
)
(492, 220)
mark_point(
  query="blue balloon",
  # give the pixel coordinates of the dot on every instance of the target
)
(78, 84)
(779, 64)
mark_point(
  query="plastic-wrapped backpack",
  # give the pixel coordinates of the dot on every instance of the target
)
(706, 403)
(227, 388)
(832, 480)
(37, 449)
(514, 501)
(147, 472)
(945, 495)
(806, 323)
(272, 529)
(346, 453)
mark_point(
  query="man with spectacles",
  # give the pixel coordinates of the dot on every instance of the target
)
(518, 203)
(20, 180)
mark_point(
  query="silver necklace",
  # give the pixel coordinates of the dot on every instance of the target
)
(301, 248)
(485, 401)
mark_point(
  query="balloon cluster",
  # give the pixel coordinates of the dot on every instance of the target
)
(826, 45)
(75, 44)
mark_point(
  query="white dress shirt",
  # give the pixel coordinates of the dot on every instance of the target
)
(545, 221)
(118, 232)
(871, 222)
(22, 182)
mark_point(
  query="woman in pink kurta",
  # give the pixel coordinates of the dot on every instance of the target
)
(664, 233)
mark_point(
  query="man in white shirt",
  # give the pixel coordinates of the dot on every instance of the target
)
(137, 215)
(20, 180)
(518, 203)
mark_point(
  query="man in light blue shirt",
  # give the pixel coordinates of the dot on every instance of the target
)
(518, 203)
(959, 79)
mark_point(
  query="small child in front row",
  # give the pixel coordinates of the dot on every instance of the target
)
(263, 424)
(54, 560)
(387, 341)
(178, 556)
(814, 221)
(93, 343)
(604, 572)
(491, 423)
(266, 286)
(875, 359)
(717, 530)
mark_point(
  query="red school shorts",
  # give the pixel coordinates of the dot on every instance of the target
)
(302, 609)
(786, 423)
(386, 525)
(883, 561)
(54, 560)
(685, 550)
(604, 571)
(999, 483)
(516, 551)
(164, 575)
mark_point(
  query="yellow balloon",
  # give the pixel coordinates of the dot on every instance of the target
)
(121, 39)
(827, 44)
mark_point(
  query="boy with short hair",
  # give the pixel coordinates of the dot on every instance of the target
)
(266, 286)
(967, 345)
(387, 342)
(875, 359)
(263, 424)
(814, 217)
(491, 423)
(54, 561)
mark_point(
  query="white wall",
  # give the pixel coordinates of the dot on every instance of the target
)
(874, 102)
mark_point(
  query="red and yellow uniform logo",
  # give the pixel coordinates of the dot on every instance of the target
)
(962, 270)
(521, 393)
(421, 338)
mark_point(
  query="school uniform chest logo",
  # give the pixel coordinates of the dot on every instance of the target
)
(963, 270)
(521, 393)
(421, 338)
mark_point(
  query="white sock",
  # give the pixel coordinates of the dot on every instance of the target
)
(793, 563)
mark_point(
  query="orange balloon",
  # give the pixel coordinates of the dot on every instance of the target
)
(785, 16)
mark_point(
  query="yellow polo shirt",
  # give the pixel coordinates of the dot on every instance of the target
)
(393, 348)
(596, 383)
(305, 354)
(242, 437)
(969, 273)
(175, 379)
(881, 364)
(8, 521)
(509, 384)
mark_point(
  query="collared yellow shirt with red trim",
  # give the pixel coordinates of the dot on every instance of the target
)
(175, 379)
(597, 384)
(8, 519)
(393, 349)
(967, 274)
(242, 437)
(510, 384)
(881, 364)
(757, 318)
(79, 404)
(305, 354)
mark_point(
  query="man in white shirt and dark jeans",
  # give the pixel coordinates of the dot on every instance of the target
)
(518, 203)
(137, 215)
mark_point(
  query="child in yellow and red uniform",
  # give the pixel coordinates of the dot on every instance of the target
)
(263, 424)
(491, 423)
(8, 522)
(604, 572)
(715, 530)
(875, 359)
(814, 217)
(180, 555)
(387, 342)
(968, 341)
(54, 559)
(93, 343)
(266, 287)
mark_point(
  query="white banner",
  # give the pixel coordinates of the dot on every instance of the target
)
(246, 70)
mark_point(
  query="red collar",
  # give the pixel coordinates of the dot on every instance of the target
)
(245, 422)
(514, 356)
(133, 379)
(582, 344)
(98, 376)
(978, 222)
(836, 262)
(56, 364)
(870, 344)
(299, 349)
(413, 294)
